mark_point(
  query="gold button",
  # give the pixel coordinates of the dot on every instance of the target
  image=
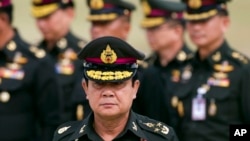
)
(4, 96)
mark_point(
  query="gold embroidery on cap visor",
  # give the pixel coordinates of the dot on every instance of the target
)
(41, 11)
(200, 16)
(152, 22)
(108, 75)
(102, 17)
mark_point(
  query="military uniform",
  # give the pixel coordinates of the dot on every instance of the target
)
(138, 128)
(64, 57)
(217, 94)
(223, 80)
(163, 82)
(158, 82)
(68, 68)
(28, 93)
(113, 61)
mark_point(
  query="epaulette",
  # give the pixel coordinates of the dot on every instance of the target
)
(39, 53)
(153, 126)
(143, 64)
(240, 57)
(66, 129)
(81, 44)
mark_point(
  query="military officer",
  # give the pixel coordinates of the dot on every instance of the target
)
(218, 93)
(53, 18)
(28, 87)
(167, 66)
(110, 18)
(111, 84)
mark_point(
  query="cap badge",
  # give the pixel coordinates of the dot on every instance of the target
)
(37, 1)
(146, 7)
(195, 4)
(96, 4)
(108, 56)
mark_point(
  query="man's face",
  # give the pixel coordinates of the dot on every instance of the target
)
(206, 32)
(110, 100)
(162, 36)
(117, 28)
(52, 25)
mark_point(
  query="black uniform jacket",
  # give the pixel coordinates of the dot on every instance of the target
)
(138, 128)
(224, 77)
(158, 83)
(70, 73)
(28, 92)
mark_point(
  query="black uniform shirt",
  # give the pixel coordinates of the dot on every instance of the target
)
(224, 78)
(69, 70)
(158, 83)
(28, 92)
(138, 128)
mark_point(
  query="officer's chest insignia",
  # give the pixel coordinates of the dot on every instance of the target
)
(96, 4)
(175, 75)
(11, 46)
(181, 56)
(224, 67)
(62, 43)
(63, 129)
(240, 57)
(65, 64)
(39, 53)
(108, 56)
(216, 57)
(187, 73)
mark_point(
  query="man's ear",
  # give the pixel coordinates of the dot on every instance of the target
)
(225, 23)
(4, 17)
(136, 87)
(85, 87)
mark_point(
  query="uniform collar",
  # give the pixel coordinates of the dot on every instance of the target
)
(184, 54)
(215, 57)
(11, 46)
(86, 128)
(61, 44)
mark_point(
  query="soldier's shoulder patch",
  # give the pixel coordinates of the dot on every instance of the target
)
(240, 57)
(65, 129)
(154, 126)
(38, 52)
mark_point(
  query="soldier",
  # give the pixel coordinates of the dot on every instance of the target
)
(53, 18)
(218, 93)
(111, 84)
(167, 66)
(28, 88)
(110, 18)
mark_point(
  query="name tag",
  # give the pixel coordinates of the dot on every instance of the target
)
(198, 109)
